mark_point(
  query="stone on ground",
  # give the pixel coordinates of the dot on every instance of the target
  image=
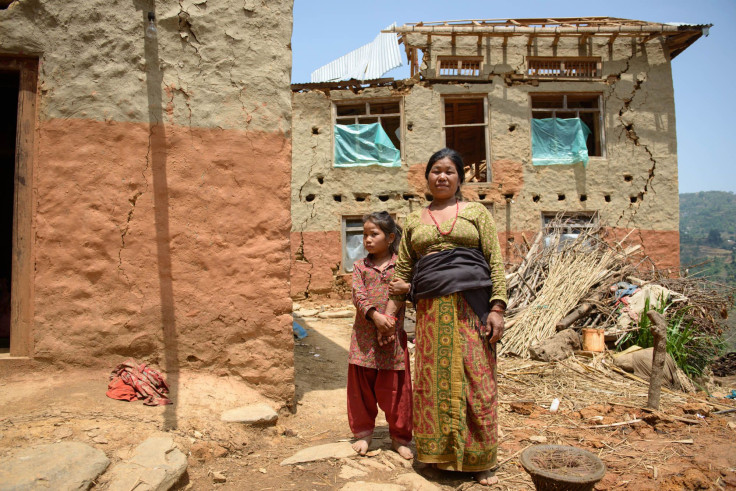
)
(156, 465)
(307, 312)
(336, 314)
(59, 466)
(321, 452)
(254, 414)
(415, 482)
(371, 486)
(348, 472)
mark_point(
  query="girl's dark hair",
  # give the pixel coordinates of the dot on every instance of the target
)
(451, 154)
(383, 220)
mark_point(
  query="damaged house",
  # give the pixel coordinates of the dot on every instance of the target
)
(552, 116)
(146, 161)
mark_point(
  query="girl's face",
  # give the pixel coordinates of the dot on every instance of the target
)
(375, 240)
(443, 179)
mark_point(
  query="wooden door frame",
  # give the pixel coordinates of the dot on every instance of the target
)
(21, 288)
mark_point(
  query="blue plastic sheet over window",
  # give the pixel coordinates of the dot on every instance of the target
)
(559, 141)
(358, 145)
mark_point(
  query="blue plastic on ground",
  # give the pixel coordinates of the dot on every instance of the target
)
(299, 331)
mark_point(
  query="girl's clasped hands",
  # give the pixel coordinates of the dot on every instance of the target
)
(386, 323)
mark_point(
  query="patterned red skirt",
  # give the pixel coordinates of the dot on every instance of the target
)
(455, 404)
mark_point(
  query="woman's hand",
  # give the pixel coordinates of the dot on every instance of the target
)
(495, 326)
(398, 287)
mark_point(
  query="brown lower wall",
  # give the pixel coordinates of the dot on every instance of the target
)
(661, 246)
(170, 246)
(315, 267)
(315, 261)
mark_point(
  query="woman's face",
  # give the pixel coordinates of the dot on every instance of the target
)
(443, 179)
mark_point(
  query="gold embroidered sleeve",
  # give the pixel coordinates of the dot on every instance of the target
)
(492, 252)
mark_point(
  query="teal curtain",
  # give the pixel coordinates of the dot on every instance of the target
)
(358, 145)
(559, 141)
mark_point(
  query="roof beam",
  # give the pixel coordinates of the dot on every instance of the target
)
(650, 37)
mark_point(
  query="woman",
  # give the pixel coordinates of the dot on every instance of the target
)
(451, 256)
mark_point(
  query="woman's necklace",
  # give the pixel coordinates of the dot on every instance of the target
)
(457, 211)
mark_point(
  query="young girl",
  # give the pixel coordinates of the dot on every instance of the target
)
(378, 373)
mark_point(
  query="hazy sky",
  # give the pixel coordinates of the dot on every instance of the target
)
(704, 74)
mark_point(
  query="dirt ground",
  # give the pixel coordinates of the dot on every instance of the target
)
(660, 452)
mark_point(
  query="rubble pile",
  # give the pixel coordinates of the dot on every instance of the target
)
(577, 278)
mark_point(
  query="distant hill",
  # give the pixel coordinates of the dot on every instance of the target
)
(705, 211)
(708, 240)
(708, 234)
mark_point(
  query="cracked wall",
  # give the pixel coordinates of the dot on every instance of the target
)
(632, 187)
(162, 179)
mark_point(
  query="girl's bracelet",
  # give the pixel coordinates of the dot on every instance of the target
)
(500, 311)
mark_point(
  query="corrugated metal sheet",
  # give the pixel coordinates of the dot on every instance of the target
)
(365, 63)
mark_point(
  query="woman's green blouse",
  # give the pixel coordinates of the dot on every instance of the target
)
(474, 229)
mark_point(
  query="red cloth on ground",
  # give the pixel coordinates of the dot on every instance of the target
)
(146, 383)
(118, 389)
(369, 388)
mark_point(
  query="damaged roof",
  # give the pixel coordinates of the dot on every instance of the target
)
(678, 36)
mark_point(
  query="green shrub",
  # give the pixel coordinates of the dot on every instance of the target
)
(691, 351)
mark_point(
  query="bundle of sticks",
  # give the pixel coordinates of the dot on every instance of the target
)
(564, 281)
(560, 272)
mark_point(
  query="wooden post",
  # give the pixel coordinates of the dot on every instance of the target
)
(659, 332)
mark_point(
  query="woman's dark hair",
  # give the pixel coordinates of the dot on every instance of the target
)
(453, 156)
(383, 220)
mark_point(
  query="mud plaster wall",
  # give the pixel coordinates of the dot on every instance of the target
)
(161, 181)
(639, 120)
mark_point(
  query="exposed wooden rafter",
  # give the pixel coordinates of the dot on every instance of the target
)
(678, 37)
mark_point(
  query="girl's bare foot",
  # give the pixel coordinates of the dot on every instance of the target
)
(361, 446)
(402, 450)
(485, 478)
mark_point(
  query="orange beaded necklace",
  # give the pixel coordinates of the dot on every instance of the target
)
(457, 212)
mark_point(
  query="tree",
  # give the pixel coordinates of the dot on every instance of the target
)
(714, 238)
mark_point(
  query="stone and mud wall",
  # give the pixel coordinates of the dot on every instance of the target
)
(633, 186)
(161, 182)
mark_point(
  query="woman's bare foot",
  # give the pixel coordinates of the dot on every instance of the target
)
(402, 450)
(485, 478)
(361, 446)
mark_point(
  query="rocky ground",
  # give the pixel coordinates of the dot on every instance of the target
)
(685, 446)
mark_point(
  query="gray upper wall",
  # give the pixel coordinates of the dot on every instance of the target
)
(214, 63)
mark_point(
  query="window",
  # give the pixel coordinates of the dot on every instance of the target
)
(388, 115)
(466, 130)
(587, 107)
(352, 242)
(573, 67)
(459, 67)
(568, 225)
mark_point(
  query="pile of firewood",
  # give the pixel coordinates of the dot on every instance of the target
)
(561, 275)
(565, 282)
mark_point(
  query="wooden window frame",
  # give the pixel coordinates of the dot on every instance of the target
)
(368, 101)
(577, 111)
(532, 72)
(486, 124)
(344, 229)
(459, 60)
(587, 220)
(21, 288)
